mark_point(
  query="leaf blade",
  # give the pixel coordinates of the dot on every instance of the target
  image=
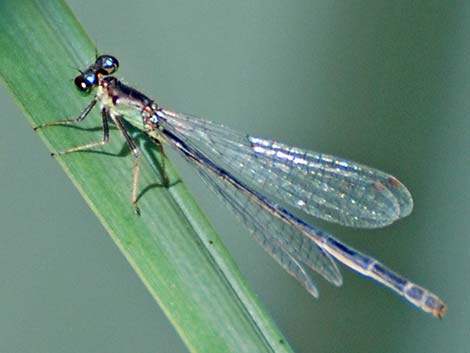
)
(171, 246)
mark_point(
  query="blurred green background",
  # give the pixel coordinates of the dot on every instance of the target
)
(384, 83)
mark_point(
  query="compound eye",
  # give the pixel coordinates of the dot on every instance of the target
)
(86, 81)
(107, 64)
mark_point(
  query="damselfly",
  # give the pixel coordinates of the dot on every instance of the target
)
(253, 176)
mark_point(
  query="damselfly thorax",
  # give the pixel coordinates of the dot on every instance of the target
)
(120, 99)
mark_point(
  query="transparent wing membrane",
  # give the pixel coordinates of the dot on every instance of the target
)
(289, 247)
(324, 186)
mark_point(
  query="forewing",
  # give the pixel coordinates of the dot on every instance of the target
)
(324, 186)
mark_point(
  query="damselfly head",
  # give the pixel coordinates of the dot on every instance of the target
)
(90, 78)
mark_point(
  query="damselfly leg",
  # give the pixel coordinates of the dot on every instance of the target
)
(129, 141)
(161, 151)
(71, 121)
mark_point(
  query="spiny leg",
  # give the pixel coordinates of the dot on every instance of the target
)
(166, 180)
(136, 153)
(76, 120)
(105, 140)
